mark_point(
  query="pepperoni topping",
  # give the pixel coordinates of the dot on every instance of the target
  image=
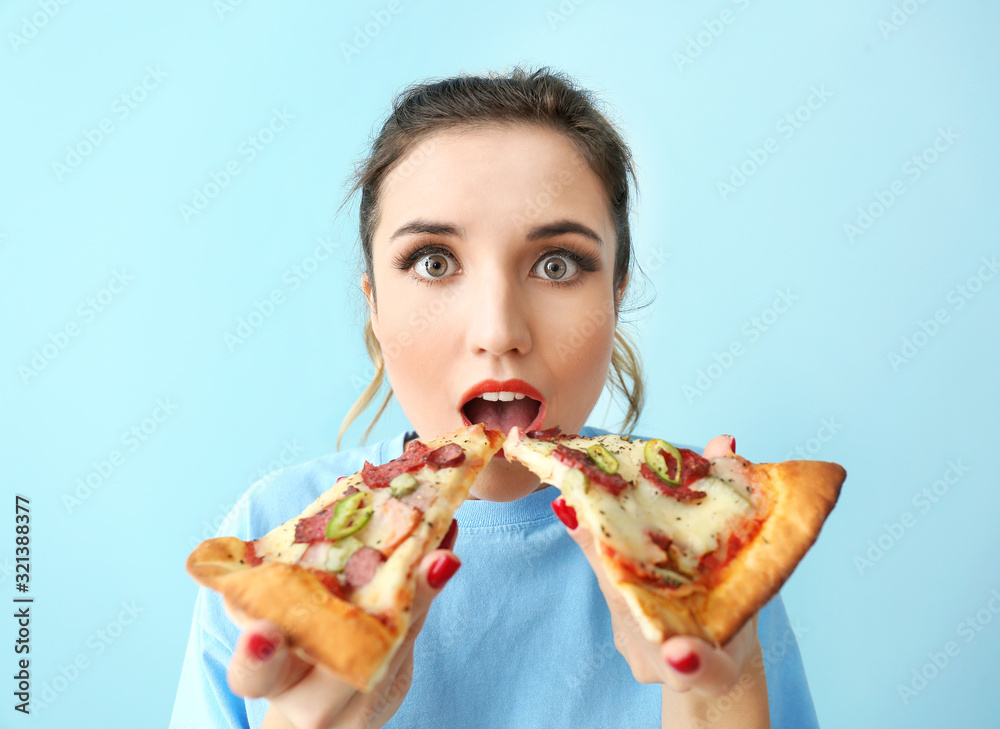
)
(313, 528)
(681, 493)
(362, 566)
(613, 483)
(329, 581)
(378, 477)
(250, 555)
(715, 561)
(548, 434)
(660, 539)
(639, 571)
(446, 456)
(693, 467)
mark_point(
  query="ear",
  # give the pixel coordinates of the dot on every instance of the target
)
(366, 286)
(620, 293)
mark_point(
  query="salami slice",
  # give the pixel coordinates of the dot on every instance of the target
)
(610, 482)
(446, 456)
(681, 493)
(313, 528)
(362, 566)
(693, 467)
(378, 477)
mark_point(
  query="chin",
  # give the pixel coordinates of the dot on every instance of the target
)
(502, 480)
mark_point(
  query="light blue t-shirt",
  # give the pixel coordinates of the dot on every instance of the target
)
(519, 637)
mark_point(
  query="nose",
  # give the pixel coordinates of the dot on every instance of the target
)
(498, 318)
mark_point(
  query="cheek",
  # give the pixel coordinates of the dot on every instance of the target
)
(580, 352)
(417, 339)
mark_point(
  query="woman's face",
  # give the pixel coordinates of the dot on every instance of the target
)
(493, 263)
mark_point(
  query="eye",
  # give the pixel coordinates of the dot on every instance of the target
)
(556, 268)
(432, 265)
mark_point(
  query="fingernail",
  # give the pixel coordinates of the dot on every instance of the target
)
(450, 536)
(732, 442)
(260, 647)
(442, 570)
(565, 512)
(686, 664)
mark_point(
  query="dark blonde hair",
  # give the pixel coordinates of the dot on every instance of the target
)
(541, 97)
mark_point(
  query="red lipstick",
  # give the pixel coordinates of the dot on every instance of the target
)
(514, 385)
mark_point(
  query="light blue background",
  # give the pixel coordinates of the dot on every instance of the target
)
(819, 378)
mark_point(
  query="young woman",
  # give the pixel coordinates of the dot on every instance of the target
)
(494, 225)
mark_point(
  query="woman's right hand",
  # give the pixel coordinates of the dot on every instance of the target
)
(303, 695)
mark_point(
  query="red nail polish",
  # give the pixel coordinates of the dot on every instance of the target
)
(450, 536)
(687, 664)
(260, 647)
(442, 570)
(733, 443)
(565, 512)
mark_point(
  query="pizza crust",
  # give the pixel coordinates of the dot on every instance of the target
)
(795, 497)
(334, 632)
(802, 494)
(329, 630)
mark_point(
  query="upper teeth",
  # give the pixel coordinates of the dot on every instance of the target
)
(502, 396)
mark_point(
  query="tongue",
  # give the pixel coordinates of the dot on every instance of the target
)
(502, 415)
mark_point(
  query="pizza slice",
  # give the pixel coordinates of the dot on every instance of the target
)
(339, 579)
(694, 546)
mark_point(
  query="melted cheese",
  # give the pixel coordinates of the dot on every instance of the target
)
(695, 527)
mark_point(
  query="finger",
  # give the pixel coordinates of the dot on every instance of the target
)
(582, 536)
(697, 666)
(720, 445)
(434, 572)
(450, 536)
(262, 664)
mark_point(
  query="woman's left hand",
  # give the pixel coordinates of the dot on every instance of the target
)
(682, 662)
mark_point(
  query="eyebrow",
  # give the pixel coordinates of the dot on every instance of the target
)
(541, 232)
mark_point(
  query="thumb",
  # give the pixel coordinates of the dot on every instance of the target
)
(436, 569)
(584, 539)
(262, 664)
(720, 445)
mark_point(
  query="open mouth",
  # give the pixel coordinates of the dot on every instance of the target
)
(502, 405)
